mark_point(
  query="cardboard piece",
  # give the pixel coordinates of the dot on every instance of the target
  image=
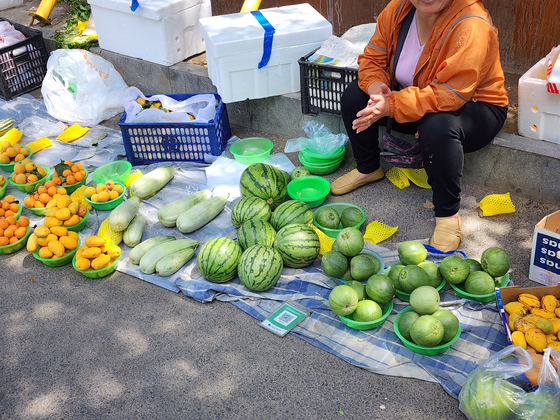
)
(545, 255)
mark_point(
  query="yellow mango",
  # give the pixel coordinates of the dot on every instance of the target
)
(102, 261)
(529, 300)
(52, 221)
(45, 252)
(97, 241)
(545, 325)
(59, 230)
(63, 201)
(79, 252)
(516, 307)
(511, 319)
(45, 241)
(557, 312)
(92, 252)
(521, 324)
(555, 325)
(518, 339)
(73, 220)
(549, 303)
(63, 214)
(82, 264)
(41, 231)
(68, 242)
(550, 338)
(73, 234)
(50, 212)
(555, 345)
(73, 207)
(114, 251)
(51, 203)
(56, 248)
(536, 339)
(32, 244)
(543, 313)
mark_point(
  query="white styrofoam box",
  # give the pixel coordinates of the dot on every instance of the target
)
(6, 4)
(539, 110)
(234, 48)
(159, 31)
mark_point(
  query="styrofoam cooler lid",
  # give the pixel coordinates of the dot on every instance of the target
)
(238, 33)
(149, 9)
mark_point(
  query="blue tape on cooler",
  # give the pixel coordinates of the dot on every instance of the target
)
(268, 37)
(134, 5)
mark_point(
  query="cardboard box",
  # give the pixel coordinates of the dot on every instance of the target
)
(504, 295)
(545, 256)
(236, 48)
(164, 32)
(538, 109)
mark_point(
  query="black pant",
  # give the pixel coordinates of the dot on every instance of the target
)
(444, 138)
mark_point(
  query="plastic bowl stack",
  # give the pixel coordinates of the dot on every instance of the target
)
(319, 164)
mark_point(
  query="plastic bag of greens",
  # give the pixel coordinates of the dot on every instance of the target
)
(321, 140)
(495, 390)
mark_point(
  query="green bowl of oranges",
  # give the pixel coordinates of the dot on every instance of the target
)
(12, 154)
(28, 176)
(105, 196)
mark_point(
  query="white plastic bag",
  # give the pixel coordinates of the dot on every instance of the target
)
(320, 140)
(9, 35)
(202, 107)
(81, 87)
(35, 127)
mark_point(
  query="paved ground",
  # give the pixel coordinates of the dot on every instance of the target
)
(121, 348)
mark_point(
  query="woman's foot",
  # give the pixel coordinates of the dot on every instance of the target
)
(353, 180)
(447, 234)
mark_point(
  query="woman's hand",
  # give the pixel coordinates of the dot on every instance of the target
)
(377, 107)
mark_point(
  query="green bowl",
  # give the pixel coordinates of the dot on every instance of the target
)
(71, 188)
(381, 266)
(251, 150)
(80, 225)
(339, 207)
(428, 351)
(9, 167)
(28, 188)
(357, 325)
(38, 212)
(460, 290)
(16, 246)
(310, 189)
(118, 171)
(57, 262)
(3, 188)
(111, 204)
(97, 274)
(312, 157)
(403, 295)
(320, 169)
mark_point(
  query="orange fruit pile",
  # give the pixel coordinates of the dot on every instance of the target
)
(43, 195)
(8, 207)
(26, 172)
(68, 173)
(12, 230)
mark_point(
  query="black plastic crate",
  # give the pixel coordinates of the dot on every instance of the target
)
(183, 141)
(23, 65)
(322, 86)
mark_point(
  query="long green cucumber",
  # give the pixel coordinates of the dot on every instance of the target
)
(168, 214)
(200, 214)
(151, 258)
(172, 263)
(139, 250)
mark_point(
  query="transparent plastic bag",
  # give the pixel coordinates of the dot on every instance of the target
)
(36, 127)
(320, 140)
(496, 389)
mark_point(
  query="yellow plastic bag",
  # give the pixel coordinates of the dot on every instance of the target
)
(418, 176)
(397, 177)
(72, 133)
(377, 232)
(39, 144)
(496, 204)
(12, 136)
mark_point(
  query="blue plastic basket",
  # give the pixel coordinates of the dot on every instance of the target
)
(185, 142)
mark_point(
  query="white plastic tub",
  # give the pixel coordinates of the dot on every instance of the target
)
(234, 49)
(164, 32)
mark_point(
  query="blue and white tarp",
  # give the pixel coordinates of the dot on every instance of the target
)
(378, 350)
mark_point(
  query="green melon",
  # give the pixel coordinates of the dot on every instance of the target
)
(393, 275)
(343, 300)
(424, 300)
(411, 277)
(362, 267)
(249, 208)
(454, 269)
(334, 264)
(299, 171)
(218, 259)
(260, 267)
(358, 287)
(350, 241)
(406, 320)
(450, 324)
(433, 271)
(351, 216)
(367, 311)
(380, 288)
(373, 259)
(263, 181)
(287, 177)
(291, 211)
(298, 244)
(427, 331)
(412, 253)
(255, 231)
(495, 261)
(479, 283)
(327, 217)
(347, 276)
(474, 265)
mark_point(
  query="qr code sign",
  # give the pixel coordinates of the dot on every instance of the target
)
(285, 318)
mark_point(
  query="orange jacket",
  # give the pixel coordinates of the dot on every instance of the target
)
(460, 61)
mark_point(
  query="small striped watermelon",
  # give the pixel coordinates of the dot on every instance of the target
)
(218, 258)
(292, 211)
(249, 208)
(260, 267)
(263, 181)
(255, 231)
(298, 244)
